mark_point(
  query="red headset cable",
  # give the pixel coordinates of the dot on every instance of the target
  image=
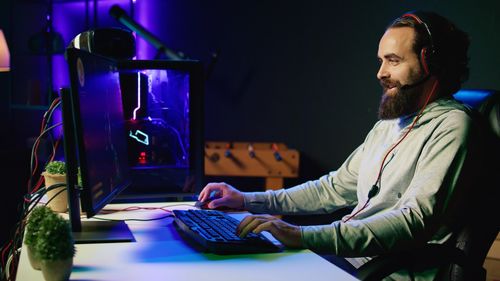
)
(375, 188)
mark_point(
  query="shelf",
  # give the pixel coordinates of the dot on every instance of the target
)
(29, 107)
(53, 1)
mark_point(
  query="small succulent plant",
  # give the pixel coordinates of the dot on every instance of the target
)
(37, 215)
(55, 240)
(59, 167)
(56, 167)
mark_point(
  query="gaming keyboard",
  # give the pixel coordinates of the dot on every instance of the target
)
(215, 232)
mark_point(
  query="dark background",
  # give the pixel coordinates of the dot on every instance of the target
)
(298, 72)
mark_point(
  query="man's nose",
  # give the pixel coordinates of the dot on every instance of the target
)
(382, 72)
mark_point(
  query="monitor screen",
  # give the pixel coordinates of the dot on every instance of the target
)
(94, 130)
(162, 103)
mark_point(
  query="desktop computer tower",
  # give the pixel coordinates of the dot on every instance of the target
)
(163, 113)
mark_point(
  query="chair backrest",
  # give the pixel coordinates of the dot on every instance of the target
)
(487, 102)
(476, 237)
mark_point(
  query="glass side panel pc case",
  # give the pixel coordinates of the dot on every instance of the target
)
(163, 109)
(138, 124)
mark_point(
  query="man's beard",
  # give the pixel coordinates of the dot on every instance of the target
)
(401, 103)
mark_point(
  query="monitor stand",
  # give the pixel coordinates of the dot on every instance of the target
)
(103, 232)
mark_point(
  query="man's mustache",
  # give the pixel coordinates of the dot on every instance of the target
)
(387, 83)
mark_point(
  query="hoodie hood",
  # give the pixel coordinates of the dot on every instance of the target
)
(433, 110)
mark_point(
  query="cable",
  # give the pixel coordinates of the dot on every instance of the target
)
(47, 116)
(59, 192)
(35, 146)
(135, 208)
(31, 200)
(375, 187)
(11, 249)
(159, 218)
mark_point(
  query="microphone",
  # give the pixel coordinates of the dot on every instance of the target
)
(416, 84)
(120, 15)
(373, 191)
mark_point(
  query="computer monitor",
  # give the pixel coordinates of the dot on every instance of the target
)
(95, 144)
(163, 108)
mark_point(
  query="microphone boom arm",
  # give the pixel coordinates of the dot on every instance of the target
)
(120, 15)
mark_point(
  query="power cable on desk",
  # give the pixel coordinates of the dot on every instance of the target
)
(160, 218)
(136, 208)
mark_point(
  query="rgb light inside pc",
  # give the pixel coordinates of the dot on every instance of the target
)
(162, 103)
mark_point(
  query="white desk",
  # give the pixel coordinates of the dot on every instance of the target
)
(159, 253)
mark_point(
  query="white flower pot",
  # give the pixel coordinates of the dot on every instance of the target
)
(35, 262)
(57, 270)
(59, 203)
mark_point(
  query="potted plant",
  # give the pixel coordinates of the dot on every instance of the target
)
(55, 172)
(31, 233)
(55, 247)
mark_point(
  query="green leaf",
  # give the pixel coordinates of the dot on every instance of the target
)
(56, 167)
(55, 240)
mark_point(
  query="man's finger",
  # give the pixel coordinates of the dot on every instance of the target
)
(251, 226)
(246, 220)
(217, 202)
(207, 190)
(266, 226)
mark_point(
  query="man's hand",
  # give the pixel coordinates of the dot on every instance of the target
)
(226, 196)
(286, 233)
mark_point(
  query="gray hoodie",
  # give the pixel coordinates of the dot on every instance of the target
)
(418, 178)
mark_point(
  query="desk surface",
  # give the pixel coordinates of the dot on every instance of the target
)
(159, 253)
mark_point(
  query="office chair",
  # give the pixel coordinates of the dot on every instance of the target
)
(462, 258)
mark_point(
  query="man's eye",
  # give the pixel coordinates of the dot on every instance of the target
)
(394, 61)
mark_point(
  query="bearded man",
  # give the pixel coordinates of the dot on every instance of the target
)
(399, 181)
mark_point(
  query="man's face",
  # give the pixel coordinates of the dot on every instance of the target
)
(399, 66)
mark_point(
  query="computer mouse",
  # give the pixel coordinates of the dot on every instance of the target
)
(202, 205)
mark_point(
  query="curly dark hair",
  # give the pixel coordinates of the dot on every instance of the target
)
(449, 60)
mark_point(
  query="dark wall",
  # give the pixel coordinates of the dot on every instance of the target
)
(303, 72)
(298, 72)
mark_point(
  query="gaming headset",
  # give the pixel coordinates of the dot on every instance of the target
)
(428, 53)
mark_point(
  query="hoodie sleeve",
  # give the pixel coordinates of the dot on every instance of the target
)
(419, 212)
(327, 194)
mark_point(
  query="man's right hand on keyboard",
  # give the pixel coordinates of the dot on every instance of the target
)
(221, 195)
(288, 234)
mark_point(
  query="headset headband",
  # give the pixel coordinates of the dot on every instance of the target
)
(426, 52)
